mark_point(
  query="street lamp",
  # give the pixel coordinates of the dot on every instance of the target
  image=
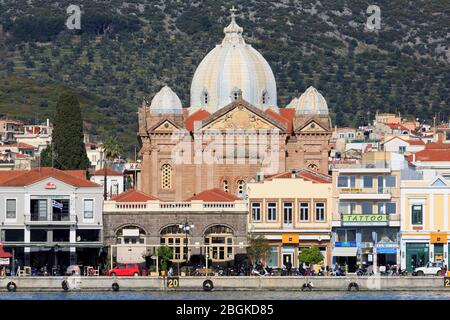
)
(186, 227)
(56, 259)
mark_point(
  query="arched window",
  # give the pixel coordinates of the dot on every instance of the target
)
(220, 240)
(166, 176)
(265, 97)
(241, 187)
(313, 166)
(225, 185)
(177, 239)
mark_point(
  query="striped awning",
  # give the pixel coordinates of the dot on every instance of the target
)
(345, 251)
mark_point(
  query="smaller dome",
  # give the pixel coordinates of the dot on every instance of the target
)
(166, 101)
(310, 102)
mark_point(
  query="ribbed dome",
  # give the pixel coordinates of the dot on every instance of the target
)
(228, 68)
(166, 101)
(310, 102)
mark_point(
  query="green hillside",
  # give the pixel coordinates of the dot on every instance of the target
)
(127, 50)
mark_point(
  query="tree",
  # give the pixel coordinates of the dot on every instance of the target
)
(164, 253)
(112, 148)
(257, 249)
(69, 151)
(310, 256)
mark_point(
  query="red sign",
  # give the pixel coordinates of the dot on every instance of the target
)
(50, 185)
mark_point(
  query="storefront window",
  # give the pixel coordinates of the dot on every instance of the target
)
(176, 238)
(272, 259)
(220, 238)
(345, 235)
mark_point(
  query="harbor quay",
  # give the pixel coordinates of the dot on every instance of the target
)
(241, 283)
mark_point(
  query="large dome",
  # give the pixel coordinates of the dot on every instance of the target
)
(228, 68)
(310, 102)
(166, 102)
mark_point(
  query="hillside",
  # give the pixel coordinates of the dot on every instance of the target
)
(127, 50)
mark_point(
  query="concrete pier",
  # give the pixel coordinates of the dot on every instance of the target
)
(373, 283)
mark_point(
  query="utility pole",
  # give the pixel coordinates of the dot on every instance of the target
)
(105, 177)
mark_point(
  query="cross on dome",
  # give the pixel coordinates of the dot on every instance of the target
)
(233, 32)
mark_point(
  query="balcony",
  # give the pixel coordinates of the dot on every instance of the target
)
(55, 219)
(365, 193)
(364, 167)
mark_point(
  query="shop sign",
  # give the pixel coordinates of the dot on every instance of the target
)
(386, 250)
(290, 238)
(438, 237)
(365, 219)
(351, 190)
(387, 245)
(4, 261)
(345, 244)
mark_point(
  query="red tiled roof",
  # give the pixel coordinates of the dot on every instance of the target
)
(280, 118)
(214, 195)
(415, 142)
(397, 126)
(22, 145)
(431, 155)
(304, 174)
(196, 116)
(133, 196)
(27, 177)
(81, 174)
(109, 172)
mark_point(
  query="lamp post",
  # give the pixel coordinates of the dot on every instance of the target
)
(55, 249)
(186, 227)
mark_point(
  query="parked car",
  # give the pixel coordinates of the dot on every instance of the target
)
(431, 268)
(125, 270)
(73, 270)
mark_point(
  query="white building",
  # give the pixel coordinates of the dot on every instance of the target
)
(114, 179)
(51, 217)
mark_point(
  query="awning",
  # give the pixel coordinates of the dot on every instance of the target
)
(345, 252)
(3, 253)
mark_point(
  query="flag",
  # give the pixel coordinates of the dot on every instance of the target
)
(56, 204)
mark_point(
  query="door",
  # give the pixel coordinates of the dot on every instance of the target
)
(288, 259)
(287, 214)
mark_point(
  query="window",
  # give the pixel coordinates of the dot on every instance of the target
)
(88, 208)
(235, 94)
(402, 149)
(320, 211)
(175, 237)
(366, 181)
(347, 207)
(287, 212)
(417, 214)
(390, 181)
(220, 239)
(204, 98)
(166, 176)
(11, 210)
(61, 235)
(60, 209)
(366, 208)
(272, 211)
(256, 211)
(345, 235)
(38, 210)
(241, 187)
(38, 235)
(304, 211)
(265, 97)
(346, 181)
(387, 208)
(13, 235)
(225, 185)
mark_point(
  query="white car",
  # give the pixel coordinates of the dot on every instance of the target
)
(431, 268)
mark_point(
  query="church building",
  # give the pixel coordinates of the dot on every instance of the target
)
(233, 131)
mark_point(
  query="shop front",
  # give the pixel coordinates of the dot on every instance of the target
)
(417, 255)
(418, 250)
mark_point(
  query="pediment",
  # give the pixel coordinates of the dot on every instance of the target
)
(312, 126)
(164, 126)
(439, 182)
(241, 116)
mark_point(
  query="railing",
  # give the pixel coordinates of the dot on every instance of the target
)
(362, 165)
(182, 206)
(34, 218)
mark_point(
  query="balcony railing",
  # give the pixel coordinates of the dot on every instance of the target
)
(55, 218)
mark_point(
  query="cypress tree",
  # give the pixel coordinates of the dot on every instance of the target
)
(69, 151)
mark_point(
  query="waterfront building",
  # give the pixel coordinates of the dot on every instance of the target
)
(50, 217)
(425, 216)
(292, 210)
(233, 92)
(366, 216)
(138, 223)
(114, 181)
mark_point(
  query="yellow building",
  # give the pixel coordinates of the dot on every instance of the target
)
(292, 210)
(425, 221)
